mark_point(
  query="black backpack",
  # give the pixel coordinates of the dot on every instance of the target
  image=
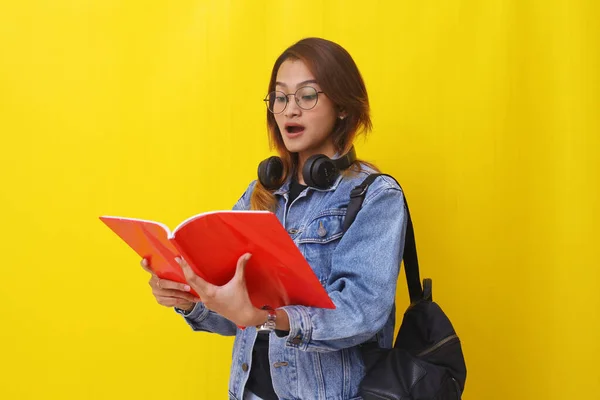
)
(426, 362)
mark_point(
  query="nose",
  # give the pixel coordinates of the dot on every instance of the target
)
(292, 108)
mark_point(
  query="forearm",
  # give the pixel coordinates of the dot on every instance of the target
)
(349, 324)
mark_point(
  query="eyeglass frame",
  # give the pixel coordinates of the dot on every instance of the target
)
(266, 99)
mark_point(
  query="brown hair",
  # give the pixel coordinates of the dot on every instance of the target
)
(340, 79)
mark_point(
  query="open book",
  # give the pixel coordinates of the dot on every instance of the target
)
(276, 275)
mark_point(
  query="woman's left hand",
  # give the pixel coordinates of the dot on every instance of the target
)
(230, 300)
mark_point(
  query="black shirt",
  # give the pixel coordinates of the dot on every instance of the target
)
(259, 380)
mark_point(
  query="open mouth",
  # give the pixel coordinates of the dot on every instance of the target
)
(293, 129)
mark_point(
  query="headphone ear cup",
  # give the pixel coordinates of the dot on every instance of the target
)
(319, 171)
(270, 172)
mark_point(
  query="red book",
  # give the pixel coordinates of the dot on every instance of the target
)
(276, 275)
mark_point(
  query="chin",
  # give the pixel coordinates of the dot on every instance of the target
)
(294, 147)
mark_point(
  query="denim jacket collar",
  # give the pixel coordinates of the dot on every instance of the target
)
(285, 188)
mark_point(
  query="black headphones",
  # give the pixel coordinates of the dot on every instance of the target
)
(319, 171)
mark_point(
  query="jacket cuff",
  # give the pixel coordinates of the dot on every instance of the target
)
(198, 313)
(300, 327)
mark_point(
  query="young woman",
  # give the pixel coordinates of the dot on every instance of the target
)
(316, 105)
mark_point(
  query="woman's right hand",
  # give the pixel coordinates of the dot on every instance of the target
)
(170, 293)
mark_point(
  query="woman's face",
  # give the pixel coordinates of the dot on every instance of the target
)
(305, 132)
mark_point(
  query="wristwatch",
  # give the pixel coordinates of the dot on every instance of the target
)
(269, 325)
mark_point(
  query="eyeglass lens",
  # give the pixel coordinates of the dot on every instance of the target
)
(306, 97)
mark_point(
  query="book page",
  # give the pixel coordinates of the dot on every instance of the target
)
(204, 214)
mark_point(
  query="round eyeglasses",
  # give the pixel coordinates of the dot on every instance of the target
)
(306, 98)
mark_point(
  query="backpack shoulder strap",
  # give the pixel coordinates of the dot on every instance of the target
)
(411, 263)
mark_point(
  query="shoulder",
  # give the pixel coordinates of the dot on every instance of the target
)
(251, 186)
(243, 202)
(383, 185)
(383, 203)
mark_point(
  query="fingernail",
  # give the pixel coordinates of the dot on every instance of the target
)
(186, 288)
(178, 260)
(248, 256)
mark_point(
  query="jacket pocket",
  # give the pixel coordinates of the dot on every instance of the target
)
(318, 240)
(325, 228)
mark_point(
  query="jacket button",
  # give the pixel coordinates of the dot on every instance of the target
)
(292, 231)
(297, 339)
(322, 232)
(245, 367)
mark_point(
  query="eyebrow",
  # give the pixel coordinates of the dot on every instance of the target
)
(299, 84)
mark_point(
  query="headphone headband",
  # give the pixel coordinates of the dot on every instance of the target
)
(346, 160)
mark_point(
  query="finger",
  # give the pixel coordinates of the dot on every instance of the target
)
(171, 301)
(167, 284)
(154, 282)
(146, 265)
(201, 287)
(176, 294)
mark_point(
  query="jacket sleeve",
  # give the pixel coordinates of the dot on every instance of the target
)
(201, 318)
(362, 283)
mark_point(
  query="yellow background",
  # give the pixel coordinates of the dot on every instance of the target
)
(486, 111)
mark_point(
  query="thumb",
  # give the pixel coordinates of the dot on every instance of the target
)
(241, 266)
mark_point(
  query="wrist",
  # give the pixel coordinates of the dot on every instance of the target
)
(283, 320)
(187, 308)
(259, 317)
(269, 323)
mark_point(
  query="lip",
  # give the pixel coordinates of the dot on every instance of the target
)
(295, 134)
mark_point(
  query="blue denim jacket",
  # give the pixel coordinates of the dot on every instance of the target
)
(320, 357)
